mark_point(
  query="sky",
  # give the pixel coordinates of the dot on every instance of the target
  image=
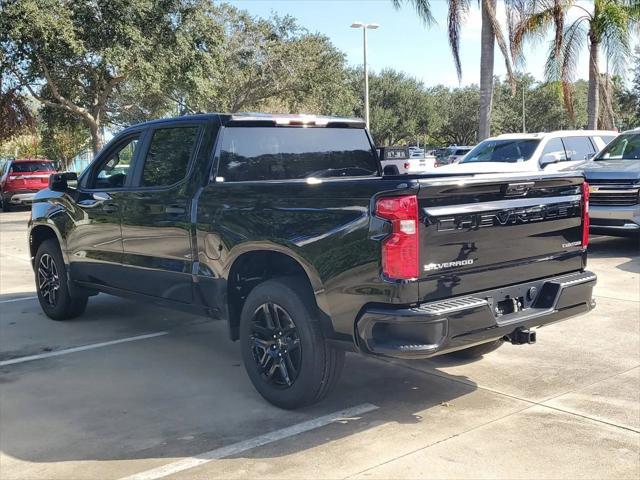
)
(402, 42)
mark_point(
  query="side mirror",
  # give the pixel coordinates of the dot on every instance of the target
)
(59, 182)
(548, 159)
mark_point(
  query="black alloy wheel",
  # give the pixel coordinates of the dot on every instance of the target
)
(283, 347)
(52, 284)
(275, 345)
(48, 279)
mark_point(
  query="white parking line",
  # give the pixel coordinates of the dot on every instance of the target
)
(18, 299)
(66, 351)
(245, 445)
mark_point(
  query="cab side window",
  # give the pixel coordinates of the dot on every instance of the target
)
(168, 156)
(578, 148)
(114, 171)
(555, 149)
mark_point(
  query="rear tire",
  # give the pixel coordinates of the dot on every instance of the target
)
(52, 284)
(283, 348)
(478, 350)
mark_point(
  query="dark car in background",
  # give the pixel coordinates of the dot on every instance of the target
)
(614, 181)
(21, 179)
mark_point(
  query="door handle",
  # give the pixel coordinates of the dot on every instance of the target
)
(101, 196)
(97, 198)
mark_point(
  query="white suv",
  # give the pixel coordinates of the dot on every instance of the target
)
(517, 152)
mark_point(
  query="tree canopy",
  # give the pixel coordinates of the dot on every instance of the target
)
(75, 55)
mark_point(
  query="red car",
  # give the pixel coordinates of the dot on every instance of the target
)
(21, 179)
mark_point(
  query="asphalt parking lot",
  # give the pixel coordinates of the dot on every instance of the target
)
(132, 390)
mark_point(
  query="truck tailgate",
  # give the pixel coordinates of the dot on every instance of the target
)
(484, 232)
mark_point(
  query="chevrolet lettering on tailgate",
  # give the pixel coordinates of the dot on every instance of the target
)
(509, 216)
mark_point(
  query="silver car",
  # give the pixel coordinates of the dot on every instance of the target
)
(614, 181)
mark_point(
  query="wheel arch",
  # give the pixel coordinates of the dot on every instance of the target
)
(253, 265)
(38, 233)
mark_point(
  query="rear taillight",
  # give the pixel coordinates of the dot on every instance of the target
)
(400, 249)
(585, 215)
(406, 165)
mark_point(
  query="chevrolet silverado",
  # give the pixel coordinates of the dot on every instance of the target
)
(283, 227)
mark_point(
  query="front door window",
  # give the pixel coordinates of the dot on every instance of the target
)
(114, 171)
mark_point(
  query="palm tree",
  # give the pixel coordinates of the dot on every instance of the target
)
(607, 29)
(490, 34)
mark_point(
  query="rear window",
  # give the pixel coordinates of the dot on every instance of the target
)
(283, 153)
(510, 151)
(28, 167)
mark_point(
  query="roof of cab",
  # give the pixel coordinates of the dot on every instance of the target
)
(267, 119)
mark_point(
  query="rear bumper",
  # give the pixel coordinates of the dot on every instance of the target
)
(21, 197)
(444, 326)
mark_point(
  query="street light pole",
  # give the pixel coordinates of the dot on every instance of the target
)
(365, 27)
(366, 78)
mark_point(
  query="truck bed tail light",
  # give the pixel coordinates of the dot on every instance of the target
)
(400, 249)
(585, 215)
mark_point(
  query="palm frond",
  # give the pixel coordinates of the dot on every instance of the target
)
(562, 67)
(516, 12)
(533, 25)
(502, 44)
(536, 20)
(615, 24)
(536, 23)
(457, 12)
(633, 10)
(422, 7)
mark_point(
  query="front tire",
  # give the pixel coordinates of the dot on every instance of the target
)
(52, 284)
(283, 348)
(478, 350)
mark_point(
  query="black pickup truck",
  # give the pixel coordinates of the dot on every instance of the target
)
(284, 227)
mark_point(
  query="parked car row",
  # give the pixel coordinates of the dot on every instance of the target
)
(613, 174)
(532, 152)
